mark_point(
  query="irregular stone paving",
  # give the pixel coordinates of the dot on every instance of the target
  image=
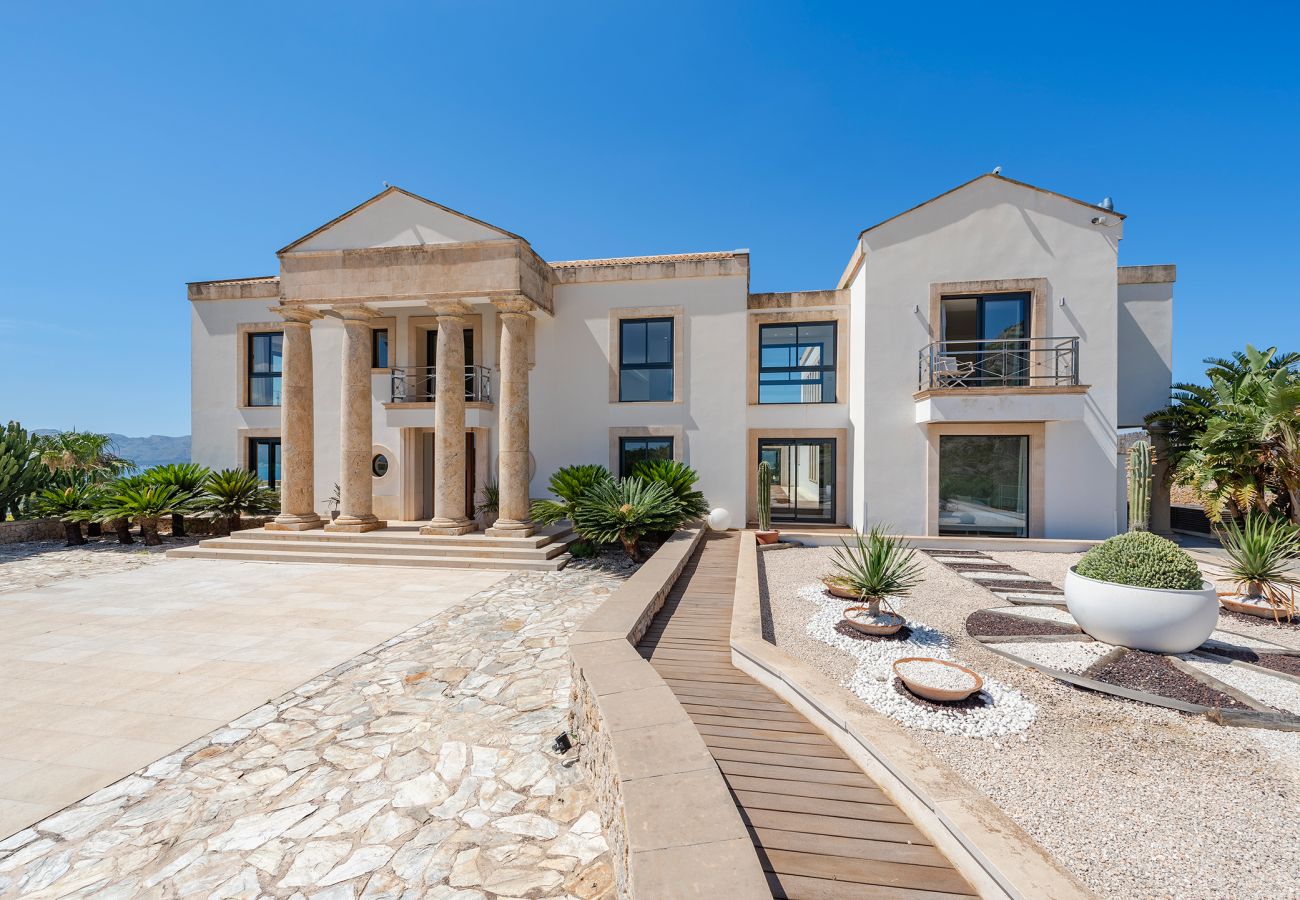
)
(419, 769)
(31, 564)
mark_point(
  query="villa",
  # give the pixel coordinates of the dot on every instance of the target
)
(967, 375)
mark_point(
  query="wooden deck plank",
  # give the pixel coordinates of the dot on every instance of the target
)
(797, 887)
(792, 787)
(792, 773)
(853, 848)
(835, 826)
(890, 874)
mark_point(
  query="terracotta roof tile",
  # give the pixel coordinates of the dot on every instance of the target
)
(644, 260)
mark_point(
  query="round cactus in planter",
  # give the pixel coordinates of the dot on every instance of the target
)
(1139, 590)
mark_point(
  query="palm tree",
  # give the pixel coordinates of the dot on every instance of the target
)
(82, 454)
(232, 492)
(144, 503)
(570, 484)
(188, 479)
(626, 511)
(72, 504)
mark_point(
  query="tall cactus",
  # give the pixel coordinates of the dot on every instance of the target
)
(764, 496)
(21, 471)
(1140, 461)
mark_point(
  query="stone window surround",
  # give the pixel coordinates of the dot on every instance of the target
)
(245, 433)
(387, 453)
(242, 332)
(389, 324)
(837, 314)
(676, 432)
(1038, 290)
(416, 326)
(616, 316)
(1035, 431)
(841, 438)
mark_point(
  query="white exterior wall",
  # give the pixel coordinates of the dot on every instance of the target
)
(988, 230)
(1146, 350)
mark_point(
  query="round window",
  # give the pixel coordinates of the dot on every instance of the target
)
(379, 465)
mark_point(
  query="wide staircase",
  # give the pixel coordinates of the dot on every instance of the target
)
(397, 545)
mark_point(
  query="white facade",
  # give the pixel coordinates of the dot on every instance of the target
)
(989, 238)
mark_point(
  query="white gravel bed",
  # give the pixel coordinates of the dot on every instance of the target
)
(935, 675)
(1068, 656)
(1006, 710)
(1137, 801)
(1043, 613)
(1244, 640)
(1276, 692)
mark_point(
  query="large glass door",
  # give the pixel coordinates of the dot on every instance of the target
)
(984, 485)
(989, 333)
(803, 478)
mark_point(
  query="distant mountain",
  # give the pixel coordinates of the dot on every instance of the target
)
(154, 450)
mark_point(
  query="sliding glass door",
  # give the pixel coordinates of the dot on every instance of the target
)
(989, 333)
(803, 478)
(984, 485)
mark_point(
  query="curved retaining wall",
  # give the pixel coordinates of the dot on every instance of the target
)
(674, 828)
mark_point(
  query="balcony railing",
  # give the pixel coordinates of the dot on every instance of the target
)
(417, 384)
(1014, 362)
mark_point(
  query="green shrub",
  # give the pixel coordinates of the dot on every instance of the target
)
(1141, 559)
(570, 484)
(626, 511)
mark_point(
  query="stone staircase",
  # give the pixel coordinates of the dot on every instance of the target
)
(397, 545)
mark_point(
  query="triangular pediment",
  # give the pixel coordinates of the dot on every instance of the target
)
(398, 218)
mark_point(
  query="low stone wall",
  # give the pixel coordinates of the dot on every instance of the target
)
(30, 530)
(204, 525)
(673, 827)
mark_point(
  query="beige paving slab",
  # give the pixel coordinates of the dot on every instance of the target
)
(104, 674)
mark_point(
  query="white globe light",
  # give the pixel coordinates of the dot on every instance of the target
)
(719, 519)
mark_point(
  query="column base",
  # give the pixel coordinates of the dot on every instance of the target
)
(511, 528)
(284, 522)
(448, 527)
(355, 524)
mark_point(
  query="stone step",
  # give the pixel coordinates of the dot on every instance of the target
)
(406, 535)
(430, 546)
(295, 555)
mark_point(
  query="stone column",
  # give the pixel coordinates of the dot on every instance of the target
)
(1160, 512)
(512, 423)
(449, 426)
(356, 436)
(297, 433)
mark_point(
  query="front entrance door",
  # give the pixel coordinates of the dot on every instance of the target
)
(471, 473)
(803, 478)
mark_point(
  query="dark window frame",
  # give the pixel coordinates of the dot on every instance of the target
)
(624, 470)
(820, 370)
(275, 460)
(270, 375)
(792, 443)
(1028, 487)
(375, 362)
(624, 366)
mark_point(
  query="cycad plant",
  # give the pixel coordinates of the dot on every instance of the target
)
(877, 566)
(105, 512)
(141, 502)
(680, 479)
(188, 480)
(72, 504)
(569, 484)
(491, 504)
(231, 493)
(1260, 551)
(626, 511)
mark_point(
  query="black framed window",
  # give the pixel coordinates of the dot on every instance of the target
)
(803, 478)
(265, 365)
(379, 348)
(645, 360)
(984, 485)
(796, 362)
(634, 450)
(264, 459)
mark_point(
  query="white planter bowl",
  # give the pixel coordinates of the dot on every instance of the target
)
(1160, 621)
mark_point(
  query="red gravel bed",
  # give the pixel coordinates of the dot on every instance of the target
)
(975, 554)
(1002, 584)
(1154, 674)
(1292, 625)
(966, 568)
(989, 622)
(1278, 662)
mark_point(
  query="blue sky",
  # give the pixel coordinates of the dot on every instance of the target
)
(146, 145)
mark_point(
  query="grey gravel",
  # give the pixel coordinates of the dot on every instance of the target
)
(1137, 801)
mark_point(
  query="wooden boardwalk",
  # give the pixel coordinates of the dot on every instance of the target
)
(821, 828)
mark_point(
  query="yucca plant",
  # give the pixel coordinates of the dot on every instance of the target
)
(231, 493)
(680, 479)
(72, 504)
(491, 504)
(143, 503)
(877, 566)
(188, 479)
(569, 484)
(626, 511)
(1260, 550)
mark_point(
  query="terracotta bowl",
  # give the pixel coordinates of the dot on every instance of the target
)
(836, 590)
(768, 537)
(936, 694)
(1230, 601)
(891, 627)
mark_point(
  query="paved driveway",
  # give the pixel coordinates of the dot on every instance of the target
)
(100, 676)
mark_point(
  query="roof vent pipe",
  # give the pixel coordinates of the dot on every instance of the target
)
(1107, 204)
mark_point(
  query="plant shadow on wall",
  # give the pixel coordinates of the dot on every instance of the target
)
(636, 513)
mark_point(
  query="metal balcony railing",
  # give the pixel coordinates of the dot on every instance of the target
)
(417, 384)
(1005, 362)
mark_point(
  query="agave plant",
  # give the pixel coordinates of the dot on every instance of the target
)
(570, 484)
(231, 493)
(877, 566)
(626, 511)
(188, 479)
(72, 504)
(1260, 551)
(143, 503)
(680, 479)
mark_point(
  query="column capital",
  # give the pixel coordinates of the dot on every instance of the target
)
(513, 305)
(299, 315)
(449, 309)
(356, 312)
